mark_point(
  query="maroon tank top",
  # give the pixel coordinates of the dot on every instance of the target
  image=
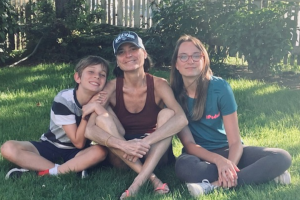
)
(142, 122)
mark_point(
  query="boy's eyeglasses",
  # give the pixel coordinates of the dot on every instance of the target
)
(195, 57)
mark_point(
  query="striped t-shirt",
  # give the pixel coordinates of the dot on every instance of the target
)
(65, 110)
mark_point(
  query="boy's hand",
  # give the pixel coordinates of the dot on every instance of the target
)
(88, 109)
(100, 97)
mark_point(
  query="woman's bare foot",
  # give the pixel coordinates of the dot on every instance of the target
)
(159, 187)
(125, 195)
(132, 190)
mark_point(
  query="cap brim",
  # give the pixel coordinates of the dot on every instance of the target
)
(126, 42)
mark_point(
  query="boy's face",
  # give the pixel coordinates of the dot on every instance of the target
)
(93, 78)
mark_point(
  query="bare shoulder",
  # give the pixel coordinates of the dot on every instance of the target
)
(162, 88)
(160, 82)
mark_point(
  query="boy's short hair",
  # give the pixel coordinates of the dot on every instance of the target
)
(92, 60)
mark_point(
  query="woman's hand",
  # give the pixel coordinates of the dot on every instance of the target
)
(227, 173)
(135, 149)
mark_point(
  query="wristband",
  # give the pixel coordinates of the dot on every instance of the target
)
(107, 140)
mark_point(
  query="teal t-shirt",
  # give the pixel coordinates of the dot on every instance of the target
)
(209, 131)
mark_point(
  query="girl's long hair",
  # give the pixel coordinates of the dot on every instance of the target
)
(177, 85)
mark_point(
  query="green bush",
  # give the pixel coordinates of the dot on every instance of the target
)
(60, 35)
(172, 19)
(8, 26)
(263, 36)
(71, 36)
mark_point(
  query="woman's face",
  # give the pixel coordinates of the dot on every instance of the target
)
(190, 60)
(130, 57)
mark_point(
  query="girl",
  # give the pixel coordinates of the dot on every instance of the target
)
(213, 154)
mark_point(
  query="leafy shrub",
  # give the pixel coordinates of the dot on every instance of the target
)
(226, 27)
(263, 36)
(60, 35)
(172, 19)
(8, 26)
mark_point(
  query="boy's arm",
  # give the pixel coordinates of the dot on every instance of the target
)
(76, 134)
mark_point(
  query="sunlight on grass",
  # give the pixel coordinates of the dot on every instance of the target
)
(236, 61)
(268, 116)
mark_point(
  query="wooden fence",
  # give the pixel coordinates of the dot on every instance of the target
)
(137, 13)
(129, 13)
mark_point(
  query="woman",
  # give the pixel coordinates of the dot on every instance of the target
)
(213, 154)
(137, 99)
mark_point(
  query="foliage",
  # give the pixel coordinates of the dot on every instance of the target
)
(60, 35)
(263, 36)
(172, 19)
(8, 26)
(226, 27)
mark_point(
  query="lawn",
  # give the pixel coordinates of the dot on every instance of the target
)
(269, 115)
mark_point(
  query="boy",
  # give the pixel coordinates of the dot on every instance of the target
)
(65, 138)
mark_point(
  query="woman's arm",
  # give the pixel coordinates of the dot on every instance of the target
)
(107, 96)
(175, 124)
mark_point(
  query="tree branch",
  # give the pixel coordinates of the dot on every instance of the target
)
(36, 47)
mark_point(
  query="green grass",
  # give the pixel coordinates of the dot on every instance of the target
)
(268, 116)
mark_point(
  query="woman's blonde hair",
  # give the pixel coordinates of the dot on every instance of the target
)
(202, 81)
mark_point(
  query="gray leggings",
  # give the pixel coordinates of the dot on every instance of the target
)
(257, 165)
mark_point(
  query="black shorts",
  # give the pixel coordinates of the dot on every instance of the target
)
(55, 154)
(169, 152)
(136, 136)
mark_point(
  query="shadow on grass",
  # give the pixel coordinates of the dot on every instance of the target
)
(20, 118)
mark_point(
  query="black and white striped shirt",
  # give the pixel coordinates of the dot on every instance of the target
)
(65, 110)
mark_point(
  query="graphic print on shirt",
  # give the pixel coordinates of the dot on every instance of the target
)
(213, 116)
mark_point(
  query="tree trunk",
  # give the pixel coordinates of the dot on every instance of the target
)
(61, 8)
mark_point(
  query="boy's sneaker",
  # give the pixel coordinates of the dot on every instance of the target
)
(198, 189)
(284, 178)
(84, 174)
(15, 172)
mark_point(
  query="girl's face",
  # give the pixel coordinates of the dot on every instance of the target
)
(93, 78)
(130, 57)
(190, 60)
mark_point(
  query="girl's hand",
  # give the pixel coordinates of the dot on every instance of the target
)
(227, 173)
